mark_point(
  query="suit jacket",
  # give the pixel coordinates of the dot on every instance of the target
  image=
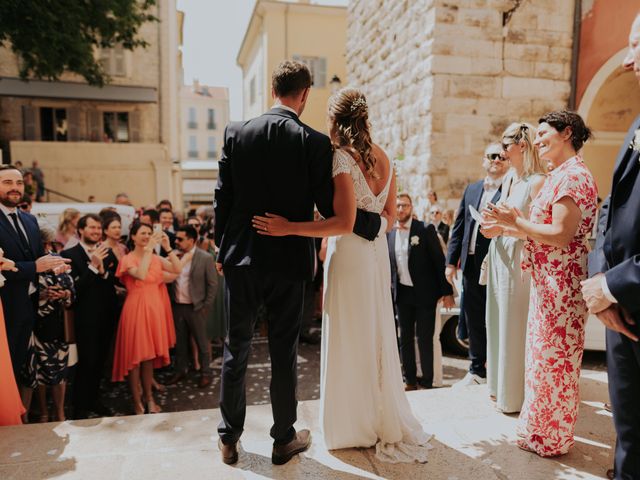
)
(618, 251)
(96, 301)
(426, 263)
(275, 163)
(203, 281)
(443, 230)
(17, 304)
(463, 227)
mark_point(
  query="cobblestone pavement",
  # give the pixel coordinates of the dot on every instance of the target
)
(187, 396)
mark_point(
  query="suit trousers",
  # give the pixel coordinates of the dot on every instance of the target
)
(18, 335)
(474, 307)
(415, 320)
(247, 288)
(93, 339)
(623, 364)
(188, 321)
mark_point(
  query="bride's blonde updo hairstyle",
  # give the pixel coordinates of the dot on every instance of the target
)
(349, 126)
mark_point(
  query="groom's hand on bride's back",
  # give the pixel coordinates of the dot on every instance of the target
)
(272, 225)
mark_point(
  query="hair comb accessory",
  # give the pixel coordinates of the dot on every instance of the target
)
(358, 104)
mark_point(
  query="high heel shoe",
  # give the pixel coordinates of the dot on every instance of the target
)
(138, 409)
(153, 407)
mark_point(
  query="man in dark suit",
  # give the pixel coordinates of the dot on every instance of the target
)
(20, 241)
(192, 296)
(613, 291)
(467, 249)
(273, 163)
(435, 218)
(418, 283)
(93, 268)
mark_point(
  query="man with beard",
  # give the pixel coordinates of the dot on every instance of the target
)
(93, 267)
(20, 240)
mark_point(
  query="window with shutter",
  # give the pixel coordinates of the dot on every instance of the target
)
(94, 126)
(73, 122)
(135, 126)
(317, 67)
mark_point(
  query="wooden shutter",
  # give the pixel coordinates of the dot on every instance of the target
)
(320, 72)
(73, 124)
(134, 126)
(29, 122)
(94, 125)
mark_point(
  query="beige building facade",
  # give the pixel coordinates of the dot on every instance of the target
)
(102, 141)
(444, 79)
(204, 115)
(279, 30)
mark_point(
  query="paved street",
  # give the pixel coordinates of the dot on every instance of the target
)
(187, 396)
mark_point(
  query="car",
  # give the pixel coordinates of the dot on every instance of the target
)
(594, 331)
(49, 213)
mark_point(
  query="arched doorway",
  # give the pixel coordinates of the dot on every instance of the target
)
(609, 105)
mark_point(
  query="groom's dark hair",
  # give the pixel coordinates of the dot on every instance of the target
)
(290, 77)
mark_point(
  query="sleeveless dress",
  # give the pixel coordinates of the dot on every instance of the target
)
(508, 288)
(146, 330)
(363, 402)
(10, 404)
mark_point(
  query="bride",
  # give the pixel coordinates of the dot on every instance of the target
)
(363, 402)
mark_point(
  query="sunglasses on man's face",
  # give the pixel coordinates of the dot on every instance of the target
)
(494, 156)
(23, 206)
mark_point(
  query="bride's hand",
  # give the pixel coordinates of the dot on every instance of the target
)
(272, 225)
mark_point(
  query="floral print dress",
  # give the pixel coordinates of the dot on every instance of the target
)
(557, 316)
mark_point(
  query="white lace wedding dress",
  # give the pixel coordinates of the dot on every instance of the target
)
(363, 402)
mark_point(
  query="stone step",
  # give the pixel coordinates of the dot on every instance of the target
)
(472, 441)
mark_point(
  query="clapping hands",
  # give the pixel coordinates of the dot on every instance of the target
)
(6, 264)
(98, 256)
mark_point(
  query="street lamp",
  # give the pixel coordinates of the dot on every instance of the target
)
(335, 83)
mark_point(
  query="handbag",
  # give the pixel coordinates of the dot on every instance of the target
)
(69, 326)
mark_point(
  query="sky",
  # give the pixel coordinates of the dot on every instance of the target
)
(213, 31)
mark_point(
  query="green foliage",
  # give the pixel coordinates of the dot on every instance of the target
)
(53, 36)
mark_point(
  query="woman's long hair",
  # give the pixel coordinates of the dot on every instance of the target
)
(349, 126)
(66, 221)
(525, 133)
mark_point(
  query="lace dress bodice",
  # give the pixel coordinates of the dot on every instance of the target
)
(365, 199)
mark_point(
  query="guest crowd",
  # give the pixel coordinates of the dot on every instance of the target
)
(83, 299)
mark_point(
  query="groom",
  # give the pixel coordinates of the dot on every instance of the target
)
(272, 163)
(613, 291)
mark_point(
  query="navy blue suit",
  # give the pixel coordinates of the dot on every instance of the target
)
(416, 305)
(18, 305)
(617, 255)
(474, 295)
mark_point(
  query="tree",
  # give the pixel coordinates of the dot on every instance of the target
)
(50, 37)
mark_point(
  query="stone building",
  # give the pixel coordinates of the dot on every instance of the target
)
(101, 141)
(205, 113)
(298, 30)
(444, 78)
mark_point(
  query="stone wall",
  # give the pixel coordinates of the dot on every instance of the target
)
(444, 78)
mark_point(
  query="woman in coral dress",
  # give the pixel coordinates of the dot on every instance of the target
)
(560, 220)
(10, 404)
(146, 331)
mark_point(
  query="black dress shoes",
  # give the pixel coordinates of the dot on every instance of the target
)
(229, 452)
(283, 453)
(102, 410)
(176, 377)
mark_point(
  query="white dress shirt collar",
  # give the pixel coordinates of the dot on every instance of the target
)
(7, 210)
(284, 107)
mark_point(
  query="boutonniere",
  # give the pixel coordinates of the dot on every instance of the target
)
(415, 240)
(635, 143)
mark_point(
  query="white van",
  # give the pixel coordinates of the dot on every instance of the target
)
(49, 213)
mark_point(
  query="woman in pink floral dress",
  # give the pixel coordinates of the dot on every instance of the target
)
(560, 219)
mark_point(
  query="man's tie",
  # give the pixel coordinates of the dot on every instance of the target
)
(23, 239)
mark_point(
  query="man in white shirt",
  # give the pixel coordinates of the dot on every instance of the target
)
(193, 294)
(467, 249)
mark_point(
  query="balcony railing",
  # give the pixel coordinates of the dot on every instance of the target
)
(212, 154)
(211, 126)
(193, 154)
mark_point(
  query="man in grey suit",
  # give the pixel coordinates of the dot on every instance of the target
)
(192, 298)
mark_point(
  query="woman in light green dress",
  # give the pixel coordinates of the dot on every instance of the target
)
(507, 285)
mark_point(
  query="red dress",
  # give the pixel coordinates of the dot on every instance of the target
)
(10, 404)
(557, 315)
(146, 330)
